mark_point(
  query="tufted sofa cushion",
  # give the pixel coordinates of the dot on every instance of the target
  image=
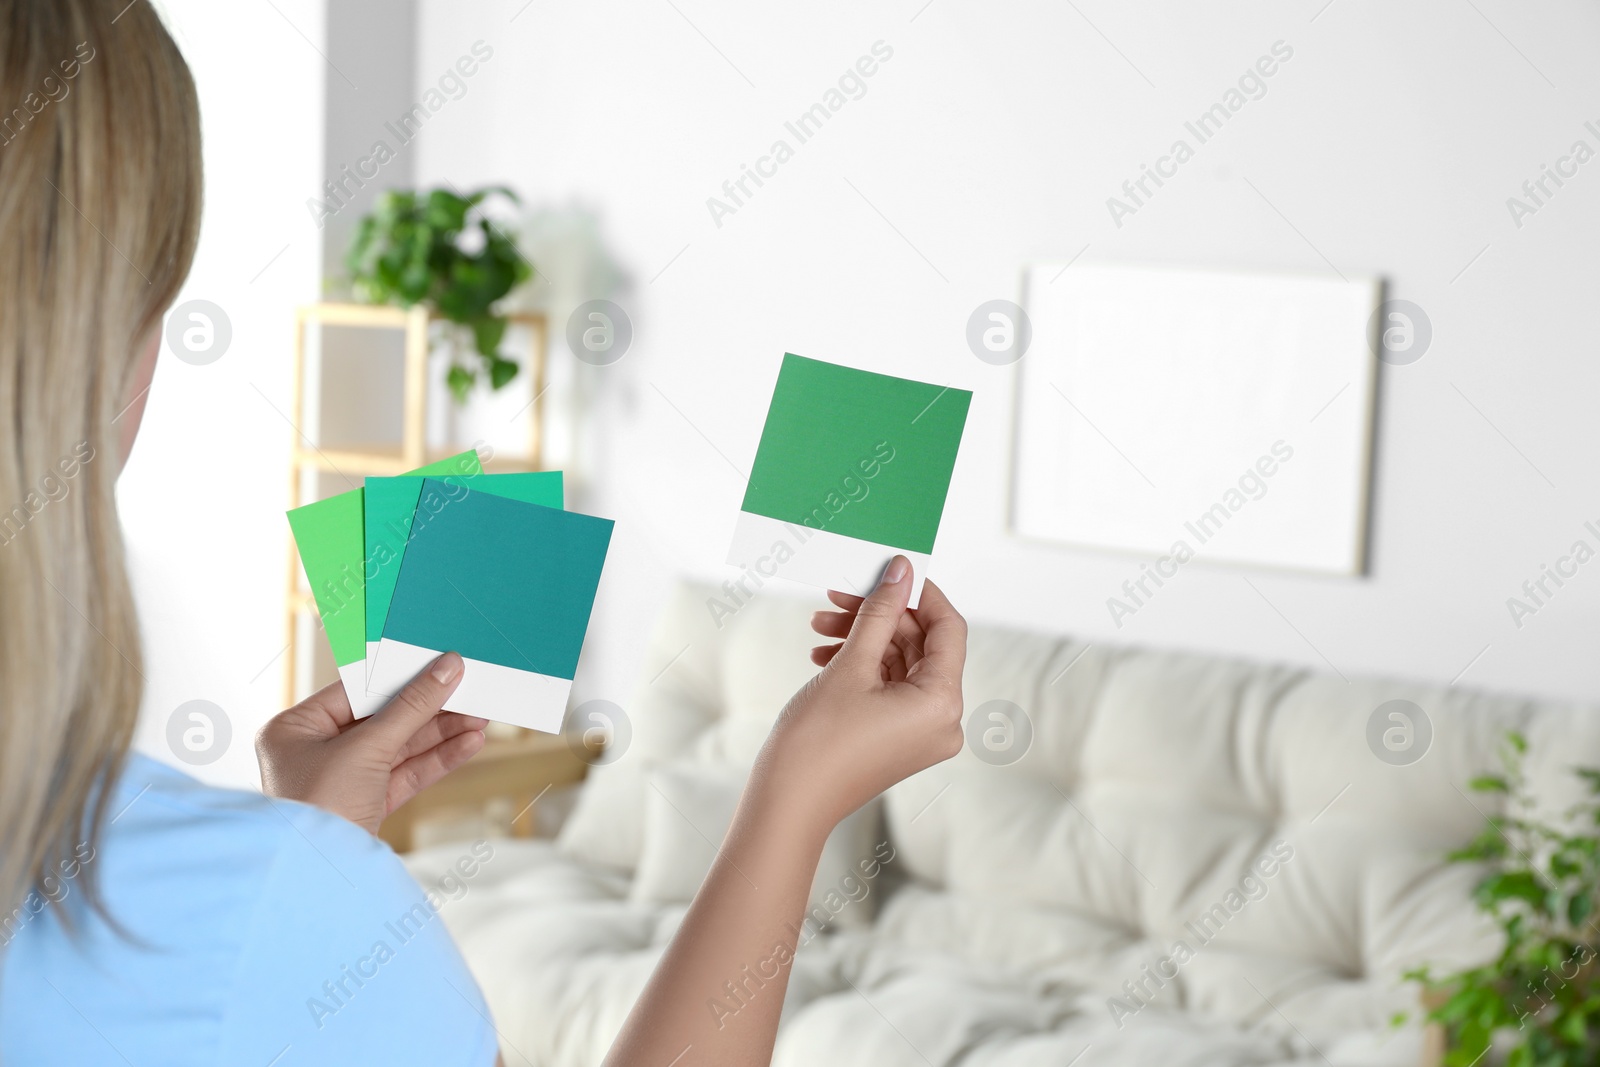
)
(1195, 860)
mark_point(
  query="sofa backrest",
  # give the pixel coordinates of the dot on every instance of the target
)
(1159, 789)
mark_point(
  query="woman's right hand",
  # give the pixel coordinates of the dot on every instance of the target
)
(886, 705)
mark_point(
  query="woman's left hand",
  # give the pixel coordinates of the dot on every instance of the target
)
(363, 769)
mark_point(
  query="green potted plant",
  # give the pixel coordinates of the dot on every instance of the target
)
(1541, 995)
(441, 250)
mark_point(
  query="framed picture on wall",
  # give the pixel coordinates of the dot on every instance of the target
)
(1222, 416)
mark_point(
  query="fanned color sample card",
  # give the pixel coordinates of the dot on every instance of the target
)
(448, 558)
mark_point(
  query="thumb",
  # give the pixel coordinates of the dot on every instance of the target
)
(412, 708)
(878, 617)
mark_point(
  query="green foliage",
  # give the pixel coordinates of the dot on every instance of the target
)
(1541, 886)
(409, 251)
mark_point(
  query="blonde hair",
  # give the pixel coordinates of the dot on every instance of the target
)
(100, 188)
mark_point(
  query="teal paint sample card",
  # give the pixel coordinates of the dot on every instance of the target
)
(853, 467)
(509, 585)
(397, 510)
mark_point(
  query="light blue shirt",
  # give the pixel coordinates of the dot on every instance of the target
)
(273, 934)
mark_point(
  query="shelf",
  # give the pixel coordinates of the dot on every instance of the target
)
(387, 316)
(378, 460)
(368, 315)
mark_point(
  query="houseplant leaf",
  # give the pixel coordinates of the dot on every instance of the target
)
(409, 251)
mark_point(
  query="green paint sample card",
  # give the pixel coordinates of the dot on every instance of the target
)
(331, 537)
(508, 584)
(853, 467)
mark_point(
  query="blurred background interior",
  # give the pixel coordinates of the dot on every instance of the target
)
(1406, 148)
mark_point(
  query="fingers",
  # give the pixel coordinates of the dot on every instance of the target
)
(334, 702)
(412, 708)
(442, 727)
(893, 665)
(848, 601)
(945, 650)
(878, 618)
(832, 623)
(908, 636)
(822, 655)
(837, 624)
(421, 771)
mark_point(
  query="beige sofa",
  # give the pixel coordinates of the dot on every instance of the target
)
(1192, 861)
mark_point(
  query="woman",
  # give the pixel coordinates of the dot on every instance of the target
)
(149, 919)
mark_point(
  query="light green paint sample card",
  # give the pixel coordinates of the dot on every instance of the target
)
(332, 562)
(331, 537)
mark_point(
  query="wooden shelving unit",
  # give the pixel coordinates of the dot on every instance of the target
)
(409, 453)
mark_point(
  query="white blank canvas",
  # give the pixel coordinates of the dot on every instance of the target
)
(1148, 396)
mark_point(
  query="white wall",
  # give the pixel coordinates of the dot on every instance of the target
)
(1387, 145)
(202, 497)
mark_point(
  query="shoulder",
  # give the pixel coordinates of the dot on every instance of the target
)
(163, 824)
(264, 925)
